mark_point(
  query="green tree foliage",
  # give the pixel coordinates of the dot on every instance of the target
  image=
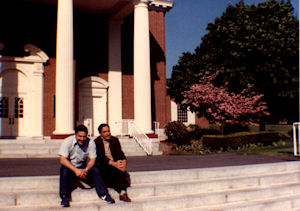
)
(248, 44)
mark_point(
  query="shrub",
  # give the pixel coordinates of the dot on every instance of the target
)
(177, 133)
(238, 140)
(228, 129)
(195, 132)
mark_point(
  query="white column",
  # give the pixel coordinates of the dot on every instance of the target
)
(141, 67)
(114, 76)
(64, 117)
(37, 108)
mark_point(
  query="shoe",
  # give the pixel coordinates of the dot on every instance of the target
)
(108, 199)
(65, 202)
(124, 197)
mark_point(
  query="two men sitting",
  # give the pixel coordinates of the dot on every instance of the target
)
(100, 163)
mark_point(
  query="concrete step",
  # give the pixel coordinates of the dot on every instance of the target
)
(204, 201)
(31, 148)
(290, 202)
(233, 190)
(230, 187)
(232, 194)
(261, 173)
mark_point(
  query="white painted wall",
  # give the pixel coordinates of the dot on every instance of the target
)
(191, 115)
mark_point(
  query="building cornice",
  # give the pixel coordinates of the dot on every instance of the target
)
(161, 5)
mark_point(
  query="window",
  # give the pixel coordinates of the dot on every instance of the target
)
(4, 107)
(19, 109)
(181, 114)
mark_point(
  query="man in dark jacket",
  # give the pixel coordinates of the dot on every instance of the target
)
(112, 162)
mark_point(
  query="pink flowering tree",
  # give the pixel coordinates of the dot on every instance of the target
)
(220, 106)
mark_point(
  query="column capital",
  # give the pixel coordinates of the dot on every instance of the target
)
(160, 5)
(141, 3)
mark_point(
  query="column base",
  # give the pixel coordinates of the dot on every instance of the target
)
(60, 136)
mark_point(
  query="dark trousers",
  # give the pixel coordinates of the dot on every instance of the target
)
(114, 178)
(94, 177)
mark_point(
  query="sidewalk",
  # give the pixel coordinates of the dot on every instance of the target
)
(50, 166)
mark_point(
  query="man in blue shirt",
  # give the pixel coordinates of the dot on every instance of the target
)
(77, 159)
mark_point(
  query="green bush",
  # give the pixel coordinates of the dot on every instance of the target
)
(228, 129)
(238, 140)
(195, 132)
(177, 133)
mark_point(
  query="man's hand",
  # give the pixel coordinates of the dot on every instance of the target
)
(84, 173)
(80, 173)
(120, 164)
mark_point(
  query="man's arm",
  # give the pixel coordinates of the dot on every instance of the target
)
(65, 162)
(121, 162)
(90, 164)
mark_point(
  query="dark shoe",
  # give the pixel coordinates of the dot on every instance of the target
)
(108, 199)
(124, 197)
(65, 202)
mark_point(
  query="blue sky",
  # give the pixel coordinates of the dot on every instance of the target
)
(186, 23)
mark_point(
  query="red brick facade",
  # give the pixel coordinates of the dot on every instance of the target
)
(160, 103)
(49, 93)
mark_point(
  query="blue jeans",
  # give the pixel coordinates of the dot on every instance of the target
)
(66, 175)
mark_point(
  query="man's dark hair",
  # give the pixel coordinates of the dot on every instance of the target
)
(102, 126)
(81, 128)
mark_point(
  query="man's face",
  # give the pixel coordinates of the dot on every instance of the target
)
(105, 133)
(81, 137)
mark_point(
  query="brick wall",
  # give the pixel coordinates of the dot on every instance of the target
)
(49, 92)
(160, 101)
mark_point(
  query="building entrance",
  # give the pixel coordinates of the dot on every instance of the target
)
(12, 116)
(92, 103)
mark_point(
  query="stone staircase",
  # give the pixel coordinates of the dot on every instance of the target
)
(34, 148)
(273, 186)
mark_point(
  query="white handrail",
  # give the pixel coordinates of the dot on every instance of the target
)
(128, 127)
(156, 128)
(296, 138)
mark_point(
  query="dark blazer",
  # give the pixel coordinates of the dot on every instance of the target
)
(115, 149)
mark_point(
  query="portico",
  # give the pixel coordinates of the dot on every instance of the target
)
(141, 67)
(115, 62)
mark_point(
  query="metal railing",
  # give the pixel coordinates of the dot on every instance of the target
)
(296, 137)
(156, 127)
(128, 127)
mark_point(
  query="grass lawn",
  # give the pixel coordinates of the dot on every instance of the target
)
(283, 149)
(286, 150)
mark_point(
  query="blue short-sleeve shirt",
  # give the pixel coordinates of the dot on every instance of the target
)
(77, 154)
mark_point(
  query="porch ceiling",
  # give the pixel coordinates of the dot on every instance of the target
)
(112, 8)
